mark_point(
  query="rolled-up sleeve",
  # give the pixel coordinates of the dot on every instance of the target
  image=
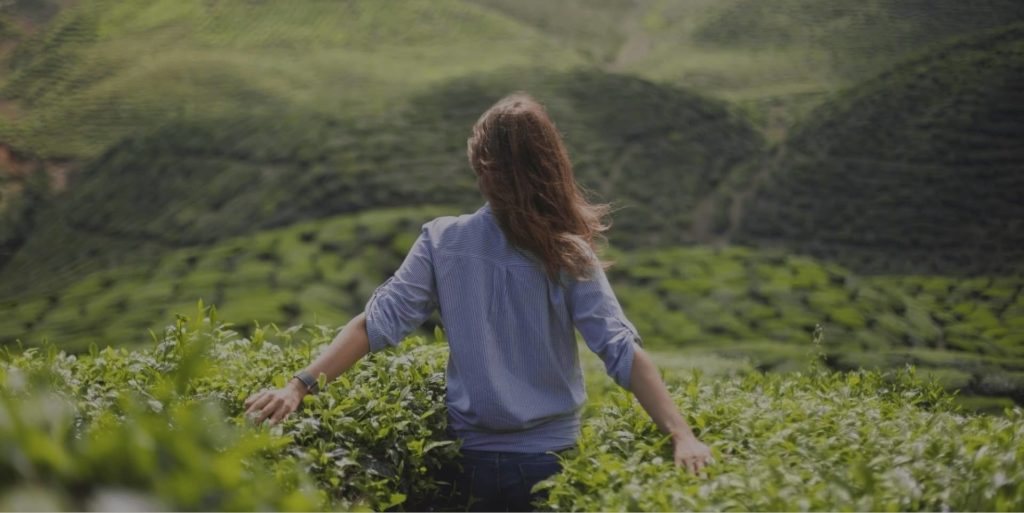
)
(606, 330)
(404, 300)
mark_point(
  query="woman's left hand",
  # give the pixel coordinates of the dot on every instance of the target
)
(274, 405)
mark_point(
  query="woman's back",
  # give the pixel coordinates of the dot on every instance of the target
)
(511, 280)
(514, 377)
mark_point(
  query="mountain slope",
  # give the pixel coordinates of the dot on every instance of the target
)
(918, 169)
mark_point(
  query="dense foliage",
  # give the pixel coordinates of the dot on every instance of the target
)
(915, 170)
(813, 441)
(756, 303)
(161, 426)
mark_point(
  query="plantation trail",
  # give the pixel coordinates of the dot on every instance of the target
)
(14, 164)
(702, 229)
(638, 41)
(637, 44)
(608, 186)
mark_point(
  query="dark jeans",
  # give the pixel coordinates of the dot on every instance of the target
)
(496, 481)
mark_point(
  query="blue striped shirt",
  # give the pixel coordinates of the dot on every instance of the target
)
(514, 380)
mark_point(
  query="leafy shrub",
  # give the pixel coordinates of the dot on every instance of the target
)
(804, 441)
(162, 427)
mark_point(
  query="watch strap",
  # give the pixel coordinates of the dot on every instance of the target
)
(308, 380)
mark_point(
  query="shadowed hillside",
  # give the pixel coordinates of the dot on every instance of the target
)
(916, 170)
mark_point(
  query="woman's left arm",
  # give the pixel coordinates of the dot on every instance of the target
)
(345, 350)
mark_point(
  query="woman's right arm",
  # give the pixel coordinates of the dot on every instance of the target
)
(652, 394)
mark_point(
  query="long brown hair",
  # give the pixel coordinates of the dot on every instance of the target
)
(524, 172)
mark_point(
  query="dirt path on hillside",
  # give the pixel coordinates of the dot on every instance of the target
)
(740, 199)
(702, 228)
(638, 41)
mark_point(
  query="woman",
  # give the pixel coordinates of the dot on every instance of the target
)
(511, 281)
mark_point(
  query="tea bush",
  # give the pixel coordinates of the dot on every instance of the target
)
(162, 427)
(861, 441)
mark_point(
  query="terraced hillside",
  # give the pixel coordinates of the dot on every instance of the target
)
(735, 305)
(852, 39)
(754, 48)
(916, 170)
(764, 305)
(777, 58)
(316, 271)
(105, 68)
(653, 149)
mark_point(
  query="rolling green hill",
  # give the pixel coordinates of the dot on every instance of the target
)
(778, 58)
(654, 149)
(103, 68)
(853, 40)
(917, 170)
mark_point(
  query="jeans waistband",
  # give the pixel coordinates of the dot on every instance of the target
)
(510, 455)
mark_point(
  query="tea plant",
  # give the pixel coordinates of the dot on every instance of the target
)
(862, 441)
(162, 427)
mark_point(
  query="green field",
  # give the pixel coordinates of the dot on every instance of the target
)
(817, 231)
(275, 161)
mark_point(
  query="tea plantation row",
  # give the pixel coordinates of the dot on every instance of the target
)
(161, 426)
(734, 302)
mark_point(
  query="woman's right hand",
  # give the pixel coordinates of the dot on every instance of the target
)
(691, 453)
(274, 405)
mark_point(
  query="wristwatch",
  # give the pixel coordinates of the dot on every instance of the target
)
(307, 379)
